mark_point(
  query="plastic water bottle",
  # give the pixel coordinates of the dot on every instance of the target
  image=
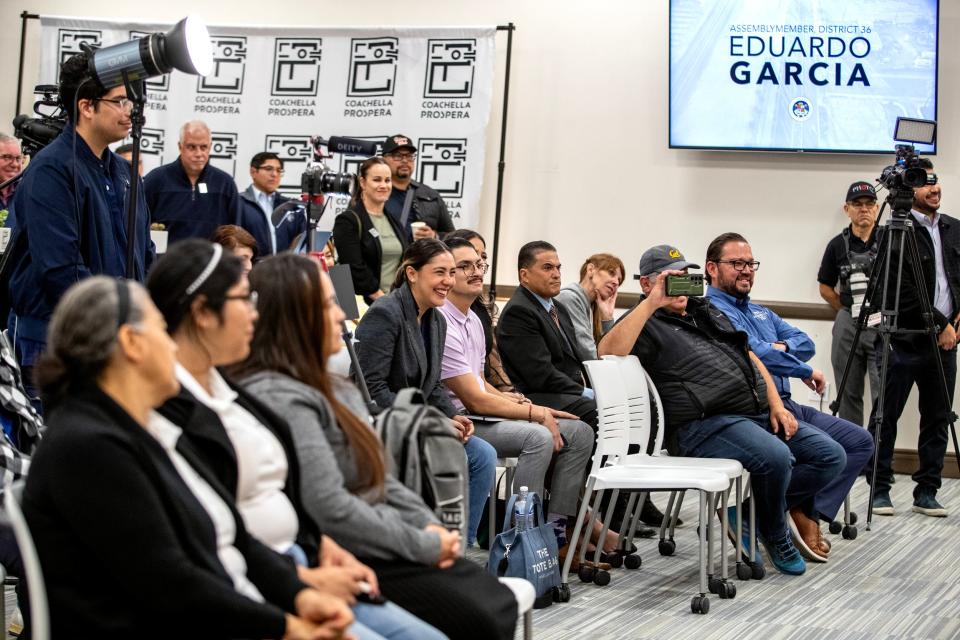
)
(520, 513)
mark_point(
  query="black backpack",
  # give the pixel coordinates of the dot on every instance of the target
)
(428, 456)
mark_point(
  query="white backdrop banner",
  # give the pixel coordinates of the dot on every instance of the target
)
(274, 87)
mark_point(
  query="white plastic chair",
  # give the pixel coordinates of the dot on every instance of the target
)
(39, 610)
(641, 395)
(525, 595)
(612, 442)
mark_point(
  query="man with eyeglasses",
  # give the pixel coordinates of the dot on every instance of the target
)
(720, 401)
(784, 351)
(509, 421)
(11, 162)
(189, 197)
(261, 198)
(843, 277)
(412, 201)
(70, 209)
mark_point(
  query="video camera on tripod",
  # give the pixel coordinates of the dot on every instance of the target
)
(906, 173)
(36, 133)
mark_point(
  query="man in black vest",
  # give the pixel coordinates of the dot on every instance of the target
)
(720, 402)
(843, 276)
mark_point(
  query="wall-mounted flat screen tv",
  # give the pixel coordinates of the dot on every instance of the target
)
(800, 75)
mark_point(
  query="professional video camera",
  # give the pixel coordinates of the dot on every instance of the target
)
(36, 133)
(906, 173)
(319, 178)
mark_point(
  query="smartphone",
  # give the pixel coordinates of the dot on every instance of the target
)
(688, 285)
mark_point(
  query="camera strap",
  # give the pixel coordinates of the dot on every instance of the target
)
(407, 202)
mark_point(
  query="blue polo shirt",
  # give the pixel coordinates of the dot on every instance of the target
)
(71, 208)
(764, 327)
(188, 210)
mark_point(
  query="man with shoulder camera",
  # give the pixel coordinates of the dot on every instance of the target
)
(844, 274)
(71, 209)
(721, 402)
(784, 351)
(412, 201)
(912, 359)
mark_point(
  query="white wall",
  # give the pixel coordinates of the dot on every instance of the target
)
(587, 163)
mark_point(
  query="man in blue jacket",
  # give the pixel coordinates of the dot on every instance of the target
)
(71, 209)
(259, 201)
(188, 196)
(784, 351)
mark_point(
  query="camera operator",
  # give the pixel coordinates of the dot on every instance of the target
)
(911, 361)
(411, 201)
(11, 161)
(843, 277)
(71, 209)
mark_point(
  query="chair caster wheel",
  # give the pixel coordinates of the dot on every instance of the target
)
(667, 547)
(585, 574)
(601, 578)
(561, 593)
(614, 559)
(700, 604)
(632, 561)
(744, 572)
(853, 517)
(849, 532)
(728, 590)
(835, 527)
(714, 585)
(758, 571)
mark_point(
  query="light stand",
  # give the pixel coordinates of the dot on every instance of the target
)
(136, 94)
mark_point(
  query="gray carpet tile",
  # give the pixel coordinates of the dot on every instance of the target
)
(901, 580)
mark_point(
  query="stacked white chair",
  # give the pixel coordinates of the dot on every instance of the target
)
(612, 443)
(39, 611)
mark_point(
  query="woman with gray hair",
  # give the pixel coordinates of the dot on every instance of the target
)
(137, 539)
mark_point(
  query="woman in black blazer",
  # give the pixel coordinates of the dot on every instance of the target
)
(136, 537)
(366, 237)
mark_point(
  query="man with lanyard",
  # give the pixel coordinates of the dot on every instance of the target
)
(411, 201)
(911, 359)
(71, 210)
(784, 351)
(843, 277)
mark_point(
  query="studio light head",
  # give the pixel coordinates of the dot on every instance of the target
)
(185, 47)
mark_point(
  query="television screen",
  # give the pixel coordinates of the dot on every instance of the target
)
(800, 75)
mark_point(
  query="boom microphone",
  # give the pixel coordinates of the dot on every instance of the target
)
(351, 146)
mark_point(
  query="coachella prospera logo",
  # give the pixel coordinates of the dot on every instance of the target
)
(223, 151)
(151, 148)
(296, 77)
(442, 164)
(218, 92)
(69, 41)
(295, 152)
(448, 85)
(373, 77)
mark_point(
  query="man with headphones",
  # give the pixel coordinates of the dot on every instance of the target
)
(71, 209)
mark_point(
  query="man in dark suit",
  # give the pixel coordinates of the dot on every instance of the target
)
(535, 336)
(259, 201)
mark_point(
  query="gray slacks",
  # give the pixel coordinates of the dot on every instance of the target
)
(532, 445)
(864, 363)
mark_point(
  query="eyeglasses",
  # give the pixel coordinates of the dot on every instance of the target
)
(740, 265)
(276, 170)
(250, 298)
(470, 268)
(123, 103)
(11, 158)
(403, 157)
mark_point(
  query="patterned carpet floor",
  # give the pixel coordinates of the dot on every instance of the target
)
(901, 580)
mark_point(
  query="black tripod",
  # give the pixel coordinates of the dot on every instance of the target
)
(897, 235)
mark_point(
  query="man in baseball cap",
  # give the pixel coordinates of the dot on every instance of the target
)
(411, 201)
(719, 399)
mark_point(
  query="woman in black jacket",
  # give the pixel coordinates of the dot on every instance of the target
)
(366, 237)
(136, 537)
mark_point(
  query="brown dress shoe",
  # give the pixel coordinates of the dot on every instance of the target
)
(575, 564)
(806, 535)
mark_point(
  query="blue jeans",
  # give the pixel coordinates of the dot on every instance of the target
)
(482, 466)
(783, 473)
(856, 443)
(390, 622)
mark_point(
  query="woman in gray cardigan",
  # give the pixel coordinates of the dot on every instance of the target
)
(591, 302)
(345, 483)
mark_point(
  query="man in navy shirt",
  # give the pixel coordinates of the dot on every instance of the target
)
(71, 209)
(784, 351)
(261, 198)
(189, 197)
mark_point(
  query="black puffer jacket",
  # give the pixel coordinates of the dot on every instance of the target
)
(700, 365)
